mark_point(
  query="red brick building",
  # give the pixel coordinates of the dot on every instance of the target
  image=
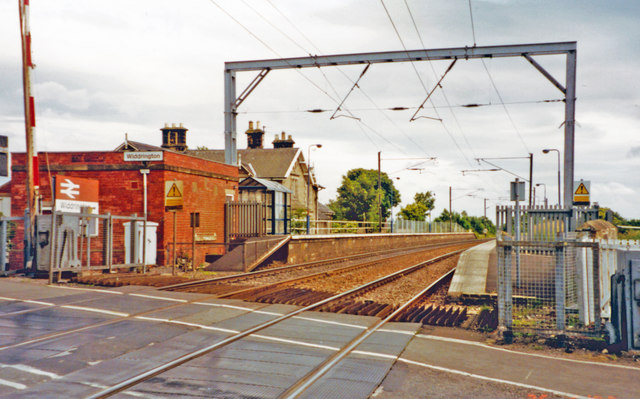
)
(206, 185)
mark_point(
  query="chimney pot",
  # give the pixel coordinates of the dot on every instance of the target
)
(283, 136)
(166, 125)
(290, 138)
(250, 125)
(181, 125)
(257, 124)
(173, 125)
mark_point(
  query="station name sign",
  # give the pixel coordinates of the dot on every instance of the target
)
(141, 156)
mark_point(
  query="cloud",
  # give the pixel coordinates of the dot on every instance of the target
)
(634, 152)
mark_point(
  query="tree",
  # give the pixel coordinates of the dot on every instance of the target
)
(475, 223)
(423, 204)
(358, 196)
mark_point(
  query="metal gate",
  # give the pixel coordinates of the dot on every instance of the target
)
(244, 220)
(543, 289)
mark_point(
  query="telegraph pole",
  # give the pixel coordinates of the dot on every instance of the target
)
(379, 201)
(31, 158)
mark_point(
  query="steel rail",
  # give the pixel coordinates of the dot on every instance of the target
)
(308, 380)
(304, 265)
(59, 334)
(128, 383)
(321, 273)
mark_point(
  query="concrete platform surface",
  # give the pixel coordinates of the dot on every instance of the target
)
(470, 277)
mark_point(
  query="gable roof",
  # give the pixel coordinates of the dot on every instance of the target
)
(129, 145)
(256, 182)
(269, 163)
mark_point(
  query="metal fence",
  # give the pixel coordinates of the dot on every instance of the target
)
(244, 220)
(298, 226)
(84, 241)
(537, 223)
(11, 244)
(543, 289)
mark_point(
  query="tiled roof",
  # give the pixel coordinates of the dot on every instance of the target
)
(268, 184)
(270, 163)
(137, 146)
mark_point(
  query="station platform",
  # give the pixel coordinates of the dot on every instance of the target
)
(475, 273)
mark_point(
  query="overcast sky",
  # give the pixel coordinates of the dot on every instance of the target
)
(106, 68)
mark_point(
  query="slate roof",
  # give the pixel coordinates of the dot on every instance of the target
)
(268, 184)
(268, 163)
(137, 146)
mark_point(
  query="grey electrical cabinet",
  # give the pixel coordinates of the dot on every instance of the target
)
(625, 303)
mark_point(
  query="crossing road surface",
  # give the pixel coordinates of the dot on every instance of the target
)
(76, 342)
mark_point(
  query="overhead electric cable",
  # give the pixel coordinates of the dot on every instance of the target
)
(495, 88)
(424, 86)
(442, 90)
(473, 28)
(265, 44)
(348, 78)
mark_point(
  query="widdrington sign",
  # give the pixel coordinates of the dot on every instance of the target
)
(143, 156)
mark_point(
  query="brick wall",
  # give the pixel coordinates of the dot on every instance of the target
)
(121, 192)
(307, 249)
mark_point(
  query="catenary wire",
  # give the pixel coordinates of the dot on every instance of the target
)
(265, 44)
(424, 86)
(493, 84)
(442, 90)
(381, 110)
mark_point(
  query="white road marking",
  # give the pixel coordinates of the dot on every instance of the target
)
(335, 323)
(299, 343)
(13, 385)
(159, 297)
(38, 302)
(480, 344)
(31, 370)
(185, 323)
(498, 380)
(220, 305)
(87, 289)
(95, 310)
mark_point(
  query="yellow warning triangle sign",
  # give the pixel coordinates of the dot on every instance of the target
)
(582, 190)
(174, 192)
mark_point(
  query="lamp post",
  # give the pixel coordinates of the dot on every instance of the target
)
(545, 193)
(546, 151)
(309, 180)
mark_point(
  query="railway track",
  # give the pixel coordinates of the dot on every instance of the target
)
(405, 310)
(251, 286)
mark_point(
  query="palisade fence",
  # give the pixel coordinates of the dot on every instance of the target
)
(244, 220)
(549, 282)
(11, 242)
(299, 226)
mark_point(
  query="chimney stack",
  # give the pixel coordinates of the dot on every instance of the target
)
(254, 136)
(283, 141)
(174, 137)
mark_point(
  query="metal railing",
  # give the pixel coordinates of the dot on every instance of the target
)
(84, 241)
(244, 220)
(298, 226)
(541, 224)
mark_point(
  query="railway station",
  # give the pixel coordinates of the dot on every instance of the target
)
(219, 258)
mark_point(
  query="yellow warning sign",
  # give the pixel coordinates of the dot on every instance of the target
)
(173, 199)
(581, 193)
(174, 192)
(582, 190)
